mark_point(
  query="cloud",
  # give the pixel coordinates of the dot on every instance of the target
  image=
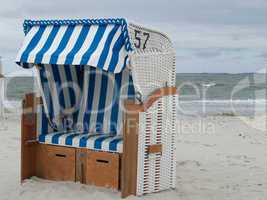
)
(207, 34)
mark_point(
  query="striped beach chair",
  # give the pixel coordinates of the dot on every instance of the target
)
(106, 114)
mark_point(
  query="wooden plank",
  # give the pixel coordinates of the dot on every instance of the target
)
(28, 133)
(130, 139)
(81, 165)
(55, 163)
(131, 106)
(39, 100)
(103, 169)
(129, 157)
(157, 148)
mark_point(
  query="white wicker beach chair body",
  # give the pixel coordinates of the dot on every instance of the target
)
(153, 64)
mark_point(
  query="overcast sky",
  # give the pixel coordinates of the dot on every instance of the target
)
(209, 35)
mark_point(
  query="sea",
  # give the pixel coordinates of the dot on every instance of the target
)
(199, 93)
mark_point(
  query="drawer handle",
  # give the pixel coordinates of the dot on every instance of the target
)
(102, 161)
(61, 155)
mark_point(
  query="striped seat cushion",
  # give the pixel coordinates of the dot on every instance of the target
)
(99, 142)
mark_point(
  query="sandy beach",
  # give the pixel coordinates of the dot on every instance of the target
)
(218, 157)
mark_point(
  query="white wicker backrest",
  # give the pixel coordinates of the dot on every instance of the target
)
(152, 61)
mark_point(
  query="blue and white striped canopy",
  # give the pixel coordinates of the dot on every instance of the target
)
(102, 43)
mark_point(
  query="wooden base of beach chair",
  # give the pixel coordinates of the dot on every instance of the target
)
(112, 170)
(103, 169)
(98, 168)
(63, 163)
(28, 137)
(55, 163)
(59, 163)
(89, 167)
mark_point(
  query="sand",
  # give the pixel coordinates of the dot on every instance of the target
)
(219, 157)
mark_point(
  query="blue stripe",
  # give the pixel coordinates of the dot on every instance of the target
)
(24, 65)
(55, 138)
(78, 44)
(79, 70)
(42, 138)
(48, 43)
(56, 74)
(115, 56)
(70, 82)
(98, 142)
(99, 34)
(62, 45)
(36, 38)
(115, 103)
(44, 128)
(102, 101)
(89, 106)
(69, 138)
(113, 145)
(104, 54)
(131, 91)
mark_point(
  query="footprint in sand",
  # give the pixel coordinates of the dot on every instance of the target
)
(189, 162)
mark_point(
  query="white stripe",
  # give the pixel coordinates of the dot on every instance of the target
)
(87, 43)
(96, 98)
(54, 95)
(76, 86)
(48, 137)
(123, 96)
(91, 141)
(120, 63)
(120, 147)
(39, 119)
(76, 140)
(40, 44)
(63, 87)
(72, 41)
(115, 38)
(84, 97)
(62, 138)
(96, 55)
(41, 90)
(108, 104)
(55, 44)
(50, 129)
(26, 41)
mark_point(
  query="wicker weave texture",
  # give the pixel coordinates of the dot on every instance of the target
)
(153, 66)
(156, 172)
(152, 71)
(152, 60)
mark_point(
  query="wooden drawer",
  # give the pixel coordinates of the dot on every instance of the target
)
(55, 163)
(103, 169)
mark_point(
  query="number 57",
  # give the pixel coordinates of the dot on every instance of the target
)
(138, 38)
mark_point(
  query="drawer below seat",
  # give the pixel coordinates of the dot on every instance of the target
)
(90, 167)
(103, 169)
(55, 163)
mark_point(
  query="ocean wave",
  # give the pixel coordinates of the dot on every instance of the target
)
(226, 101)
(12, 104)
(207, 85)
